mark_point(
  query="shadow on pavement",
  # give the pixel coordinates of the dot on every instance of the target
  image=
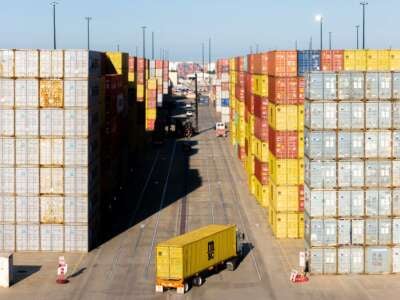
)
(23, 271)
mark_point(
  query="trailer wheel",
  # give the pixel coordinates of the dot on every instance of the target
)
(231, 265)
(198, 281)
(184, 289)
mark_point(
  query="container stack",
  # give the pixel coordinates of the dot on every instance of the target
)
(286, 113)
(232, 103)
(223, 78)
(352, 171)
(165, 77)
(151, 104)
(240, 87)
(258, 122)
(49, 190)
(158, 75)
(140, 77)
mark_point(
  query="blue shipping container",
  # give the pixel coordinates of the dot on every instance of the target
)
(225, 102)
(308, 61)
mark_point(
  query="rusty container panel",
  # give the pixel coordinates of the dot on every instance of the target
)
(51, 93)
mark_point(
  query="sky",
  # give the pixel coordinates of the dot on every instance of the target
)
(180, 26)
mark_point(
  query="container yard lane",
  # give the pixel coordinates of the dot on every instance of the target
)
(177, 192)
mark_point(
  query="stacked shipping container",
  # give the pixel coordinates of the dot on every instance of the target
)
(222, 90)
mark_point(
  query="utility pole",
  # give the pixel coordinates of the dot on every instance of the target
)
(136, 51)
(251, 49)
(310, 45)
(196, 102)
(54, 3)
(364, 4)
(152, 45)
(319, 19)
(88, 31)
(144, 41)
(202, 54)
(357, 30)
(330, 40)
(117, 47)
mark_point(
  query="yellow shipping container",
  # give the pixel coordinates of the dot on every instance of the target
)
(286, 117)
(189, 254)
(284, 198)
(395, 60)
(151, 114)
(140, 91)
(152, 84)
(261, 150)
(118, 62)
(261, 193)
(301, 144)
(240, 108)
(286, 171)
(301, 225)
(249, 165)
(260, 85)
(232, 64)
(285, 225)
(51, 93)
(355, 60)
(378, 60)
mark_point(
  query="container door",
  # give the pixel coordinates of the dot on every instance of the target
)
(344, 260)
(175, 263)
(396, 260)
(163, 262)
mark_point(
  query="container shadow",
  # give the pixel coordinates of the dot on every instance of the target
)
(21, 272)
(77, 273)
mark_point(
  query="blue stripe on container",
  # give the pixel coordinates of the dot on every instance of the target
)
(308, 61)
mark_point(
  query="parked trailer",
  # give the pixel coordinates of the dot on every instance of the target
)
(184, 260)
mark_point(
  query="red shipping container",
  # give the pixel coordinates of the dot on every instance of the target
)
(159, 64)
(301, 198)
(250, 63)
(239, 92)
(140, 77)
(152, 94)
(151, 104)
(241, 78)
(301, 90)
(239, 63)
(282, 63)
(284, 144)
(260, 107)
(285, 90)
(150, 124)
(241, 153)
(225, 86)
(140, 64)
(132, 64)
(332, 60)
(261, 64)
(261, 129)
(261, 171)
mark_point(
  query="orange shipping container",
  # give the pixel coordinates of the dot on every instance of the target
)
(261, 64)
(332, 60)
(286, 90)
(282, 63)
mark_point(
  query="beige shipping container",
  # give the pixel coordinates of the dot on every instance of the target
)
(51, 210)
(51, 180)
(51, 93)
(75, 152)
(76, 210)
(51, 122)
(76, 123)
(27, 181)
(76, 181)
(7, 122)
(51, 63)
(7, 180)
(27, 122)
(26, 93)
(6, 63)
(27, 63)
(51, 152)
(7, 151)
(27, 209)
(76, 93)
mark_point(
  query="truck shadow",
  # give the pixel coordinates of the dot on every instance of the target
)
(20, 272)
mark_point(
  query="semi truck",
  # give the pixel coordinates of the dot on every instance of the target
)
(187, 259)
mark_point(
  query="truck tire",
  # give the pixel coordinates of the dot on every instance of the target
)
(198, 281)
(231, 265)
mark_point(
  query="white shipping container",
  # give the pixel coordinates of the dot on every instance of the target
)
(378, 85)
(350, 260)
(27, 151)
(76, 123)
(351, 85)
(27, 237)
(26, 93)
(7, 272)
(7, 122)
(82, 64)
(351, 115)
(321, 115)
(7, 209)
(51, 122)
(350, 144)
(27, 209)
(396, 259)
(76, 93)
(51, 180)
(76, 238)
(27, 181)
(27, 63)
(51, 63)
(76, 152)
(51, 210)
(6, 63)
(7, 237)
(27, 122)
(350, 173)
(76, 181)
(51, 152)
(76, 210)
(52, 237)
(7, 151)
(378, 115)
(7, 97)
(350, 203)
(7, 180)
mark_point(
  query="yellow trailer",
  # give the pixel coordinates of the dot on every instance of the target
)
(185, 259)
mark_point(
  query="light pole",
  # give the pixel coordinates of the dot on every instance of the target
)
(364, 4)
(319, 19)
(144, 41)
(209, 63)
(330, 40)
(251, 49)
(152, 45)
(88, 31)
(202, 54)
(54, 3)
(357, 30)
